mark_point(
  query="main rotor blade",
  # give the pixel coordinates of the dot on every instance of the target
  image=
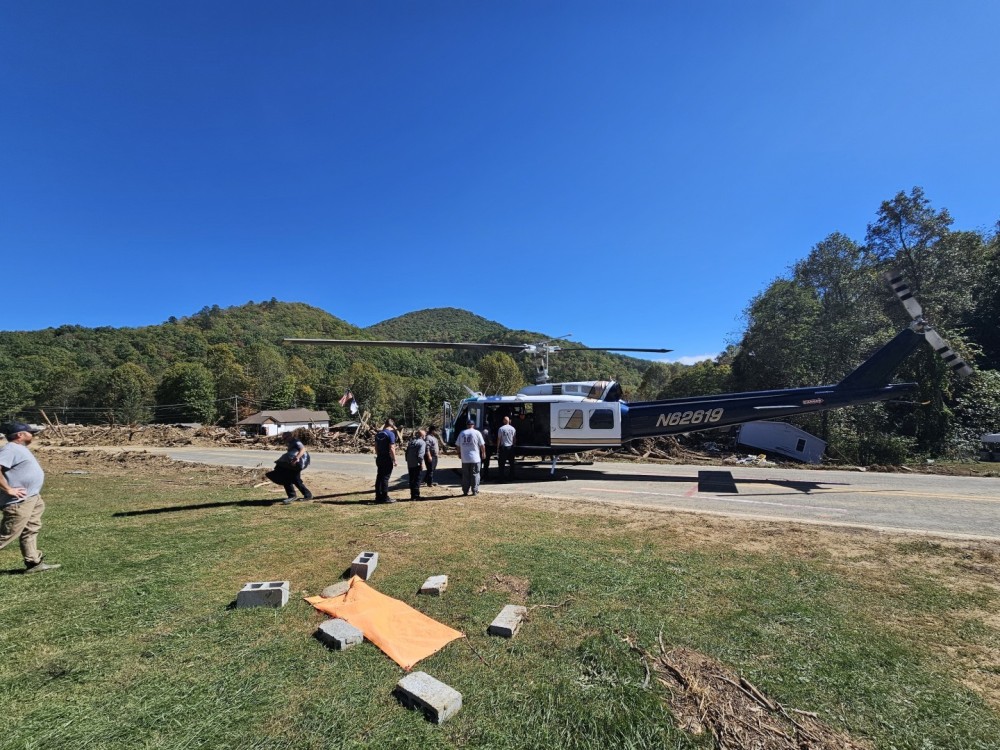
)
(610, 349)
(902, 290)
(409, 344)
(955, 363)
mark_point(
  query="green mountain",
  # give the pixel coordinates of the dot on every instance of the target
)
(199, 367)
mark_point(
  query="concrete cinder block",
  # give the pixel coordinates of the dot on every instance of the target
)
(337, 589)
(508, 622)
(435, 585)
(438, 701)
(263, 594)
(339, 634)
(364, 565)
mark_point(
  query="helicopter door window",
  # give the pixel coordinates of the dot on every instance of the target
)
(570, 419)
(602, 419)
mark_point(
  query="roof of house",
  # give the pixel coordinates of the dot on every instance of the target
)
(286, 416)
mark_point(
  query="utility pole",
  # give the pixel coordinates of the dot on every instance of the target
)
(236, 409)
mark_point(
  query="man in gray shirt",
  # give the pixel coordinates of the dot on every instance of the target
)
(21, 480)
(506, 439)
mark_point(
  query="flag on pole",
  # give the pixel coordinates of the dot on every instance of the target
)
(348, 396)
(354, 406)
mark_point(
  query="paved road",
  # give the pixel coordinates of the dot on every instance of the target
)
(967, 507)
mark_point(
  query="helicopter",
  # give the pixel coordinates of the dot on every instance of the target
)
(554, 419)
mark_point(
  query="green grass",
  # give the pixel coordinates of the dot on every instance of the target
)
(132, 645)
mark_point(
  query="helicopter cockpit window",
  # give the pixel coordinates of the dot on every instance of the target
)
(602, 419)
(570, 419)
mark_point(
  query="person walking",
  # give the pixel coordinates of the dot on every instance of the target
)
(21, 480)
(431, 456)
(288, 469)
(416, 449)
(506, 440)
(385, 460)
(473, 450)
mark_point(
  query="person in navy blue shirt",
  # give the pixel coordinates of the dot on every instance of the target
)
(385, 460)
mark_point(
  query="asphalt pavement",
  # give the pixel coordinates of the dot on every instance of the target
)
(965, 507)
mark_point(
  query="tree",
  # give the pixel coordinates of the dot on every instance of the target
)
(656, 379)
(368, 388)
(283, 395)
(977, 412)
(187, 392)
(703, 378)
(267, 373)
(499, 374)
(778, 350)
(906, 228)
(129, 394)
(16, 392)
(985, 327)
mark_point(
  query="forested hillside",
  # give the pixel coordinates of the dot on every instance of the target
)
(832, 309)
(206, 366)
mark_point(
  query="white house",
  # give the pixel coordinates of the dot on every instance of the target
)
(286, 420)
(784, 439)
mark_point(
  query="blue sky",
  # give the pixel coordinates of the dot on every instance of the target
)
(630, 172)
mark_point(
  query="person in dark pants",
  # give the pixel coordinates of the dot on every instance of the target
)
(416, 449)
(431, 456)
(288, 469)
(506, 440)
(487, 434)
(385, 460)
(472, 448)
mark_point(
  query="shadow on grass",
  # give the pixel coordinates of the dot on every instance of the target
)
(197, 506)
(317, 499)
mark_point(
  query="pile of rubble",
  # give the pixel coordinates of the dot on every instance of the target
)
(169, 436)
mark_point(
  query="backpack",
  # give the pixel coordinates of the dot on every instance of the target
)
(304, 460)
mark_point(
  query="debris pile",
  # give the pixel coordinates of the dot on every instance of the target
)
(705, 695)
(169, 436)
(133, 462)
(667, 448)
(749, 460)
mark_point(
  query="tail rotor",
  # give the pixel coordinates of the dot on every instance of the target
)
(940, 345)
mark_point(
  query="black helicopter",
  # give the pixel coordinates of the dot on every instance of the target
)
(554, 419)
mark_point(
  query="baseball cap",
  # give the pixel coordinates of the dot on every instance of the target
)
(470, 420)
(10, 429)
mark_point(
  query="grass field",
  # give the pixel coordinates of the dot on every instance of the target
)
(132, 644)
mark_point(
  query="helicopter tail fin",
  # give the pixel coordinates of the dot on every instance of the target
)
(877, 370)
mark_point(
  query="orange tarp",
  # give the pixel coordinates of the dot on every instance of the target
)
(404, 634)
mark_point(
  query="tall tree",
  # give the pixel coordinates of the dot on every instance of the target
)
(778, 349)
(906, 228)
(129, 394)
(368, 388)
(499, 374)
(186, 392)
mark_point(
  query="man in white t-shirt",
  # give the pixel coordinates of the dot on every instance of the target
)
(472, 448)
(506, 440)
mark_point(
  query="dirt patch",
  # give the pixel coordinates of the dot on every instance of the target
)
(516, 589)
(141, 464)
(705, 695)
